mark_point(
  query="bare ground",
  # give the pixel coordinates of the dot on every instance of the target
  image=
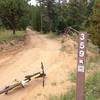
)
(58, 64)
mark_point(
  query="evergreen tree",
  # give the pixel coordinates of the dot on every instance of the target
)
(12, 12)
(56, 15)
(94, 23)
(76, 13)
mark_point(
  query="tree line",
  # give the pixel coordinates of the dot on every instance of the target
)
(52, 16)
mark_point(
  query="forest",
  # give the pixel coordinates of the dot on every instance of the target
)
(52, 16)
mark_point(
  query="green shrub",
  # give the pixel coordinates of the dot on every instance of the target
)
(93, 63)
(72, 76)
(93, 87)
(92, 47)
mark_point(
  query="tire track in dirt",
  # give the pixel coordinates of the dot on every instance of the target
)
(57, 64)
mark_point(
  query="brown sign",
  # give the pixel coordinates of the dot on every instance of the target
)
(80, 93)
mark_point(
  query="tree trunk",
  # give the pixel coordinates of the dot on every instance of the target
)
(50, 28)
(41, 14)
(50, 25)
(14, 31)
(41, 23)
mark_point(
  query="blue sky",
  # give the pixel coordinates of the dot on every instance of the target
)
(33, 2)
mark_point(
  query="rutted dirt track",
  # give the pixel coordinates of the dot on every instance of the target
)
(58, 64)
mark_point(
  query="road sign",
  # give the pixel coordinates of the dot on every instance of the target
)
(80, 91)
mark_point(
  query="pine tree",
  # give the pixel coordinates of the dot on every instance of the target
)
(12, 11)
(94, 23)
(76, 13)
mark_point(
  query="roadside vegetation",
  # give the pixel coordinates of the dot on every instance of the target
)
(8, 41)
(92, 48)
(92, 90)
(7, 35)
(92, 84)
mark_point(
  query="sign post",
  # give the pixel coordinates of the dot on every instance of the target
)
(80, 90)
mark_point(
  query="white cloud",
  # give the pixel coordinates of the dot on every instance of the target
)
(33, 2)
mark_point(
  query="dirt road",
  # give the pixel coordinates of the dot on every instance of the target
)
(58, 64)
